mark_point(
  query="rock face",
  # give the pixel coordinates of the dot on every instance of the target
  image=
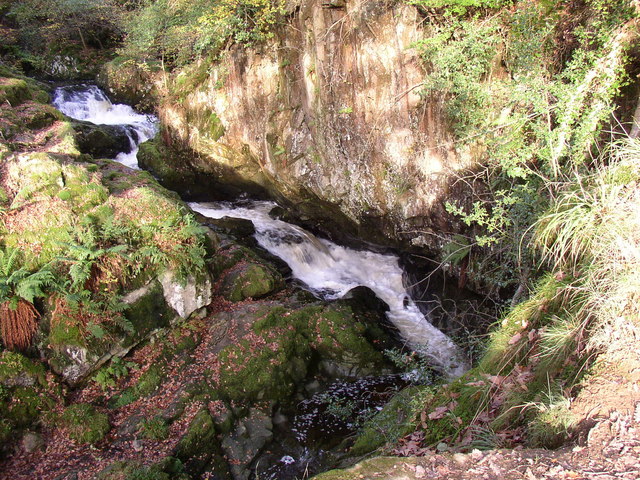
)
(329, 119)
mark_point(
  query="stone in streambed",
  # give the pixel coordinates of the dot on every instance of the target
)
(250, 280)
(102, 141)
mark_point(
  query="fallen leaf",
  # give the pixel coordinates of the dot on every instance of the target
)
(438, 413)
(515, 339)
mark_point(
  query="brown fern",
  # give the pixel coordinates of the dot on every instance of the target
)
(18, 325)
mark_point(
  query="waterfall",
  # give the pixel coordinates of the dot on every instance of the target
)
(330, 271)
(90, 104)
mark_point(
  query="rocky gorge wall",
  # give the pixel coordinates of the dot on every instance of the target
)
(328, 118)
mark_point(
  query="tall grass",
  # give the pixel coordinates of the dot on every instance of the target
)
(592, 233)
(587, 303)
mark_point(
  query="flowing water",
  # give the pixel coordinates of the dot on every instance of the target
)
(90, 104)
(330, 271)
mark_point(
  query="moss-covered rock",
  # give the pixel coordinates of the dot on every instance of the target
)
(270, 361)
(25, 395)
(397, 419)
(84, 423)
(147, 311)
(16, 370)
(130, 82)
(168, 468)
(14, 90)
(22, 406)
(199, 439)
(171, 168)
(250, 280)
(102, 141)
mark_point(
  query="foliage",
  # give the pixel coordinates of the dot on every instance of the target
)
(57, 22)
(178, 32)
(107, 376)
(18, 290)
(583, 306)
(458, 7)
(154, 428)
(533, 116)
(90, 247)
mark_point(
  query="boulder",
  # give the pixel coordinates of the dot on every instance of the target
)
(188, 295)
(102, 141)
(250, 280)
(247, 440)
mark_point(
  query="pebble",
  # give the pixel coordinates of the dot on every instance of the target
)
(460, 458)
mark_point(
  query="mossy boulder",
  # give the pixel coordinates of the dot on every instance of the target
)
(84, 423)
(130, 82)
(25, 394)
(147, 311)
(199, 438)
(250, 280)
(272, 360)
(16, 370)
(102, 141)
(171, 168)
(37, 115)
(14, 90)
(168, 468)
(200, 450)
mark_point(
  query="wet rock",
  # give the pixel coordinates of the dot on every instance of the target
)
(102, 141)
(250, 280)
(237, 227)
(246, 441)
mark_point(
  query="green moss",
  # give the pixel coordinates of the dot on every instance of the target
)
(23, 406)
(6, 433)
(149, 381)
(154, 429)
(397, 419)
(251, 280)
(18, 369)
(378, 467)
(199, 439)
(127, 396)
(148, 313)
(271, 363)
(84, 423)
(63, 333)
(168, 468)
(216, 129)
(14, 90)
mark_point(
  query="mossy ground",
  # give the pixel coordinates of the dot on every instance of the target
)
(84, 423)
(276, 356)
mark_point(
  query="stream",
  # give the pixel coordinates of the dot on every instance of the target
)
(327, 270)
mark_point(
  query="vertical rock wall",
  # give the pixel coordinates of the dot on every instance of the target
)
(329, 117)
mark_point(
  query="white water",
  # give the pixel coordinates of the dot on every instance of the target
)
(330, 271)
(89, 103)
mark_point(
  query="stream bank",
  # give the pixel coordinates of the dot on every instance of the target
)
(203, 374)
